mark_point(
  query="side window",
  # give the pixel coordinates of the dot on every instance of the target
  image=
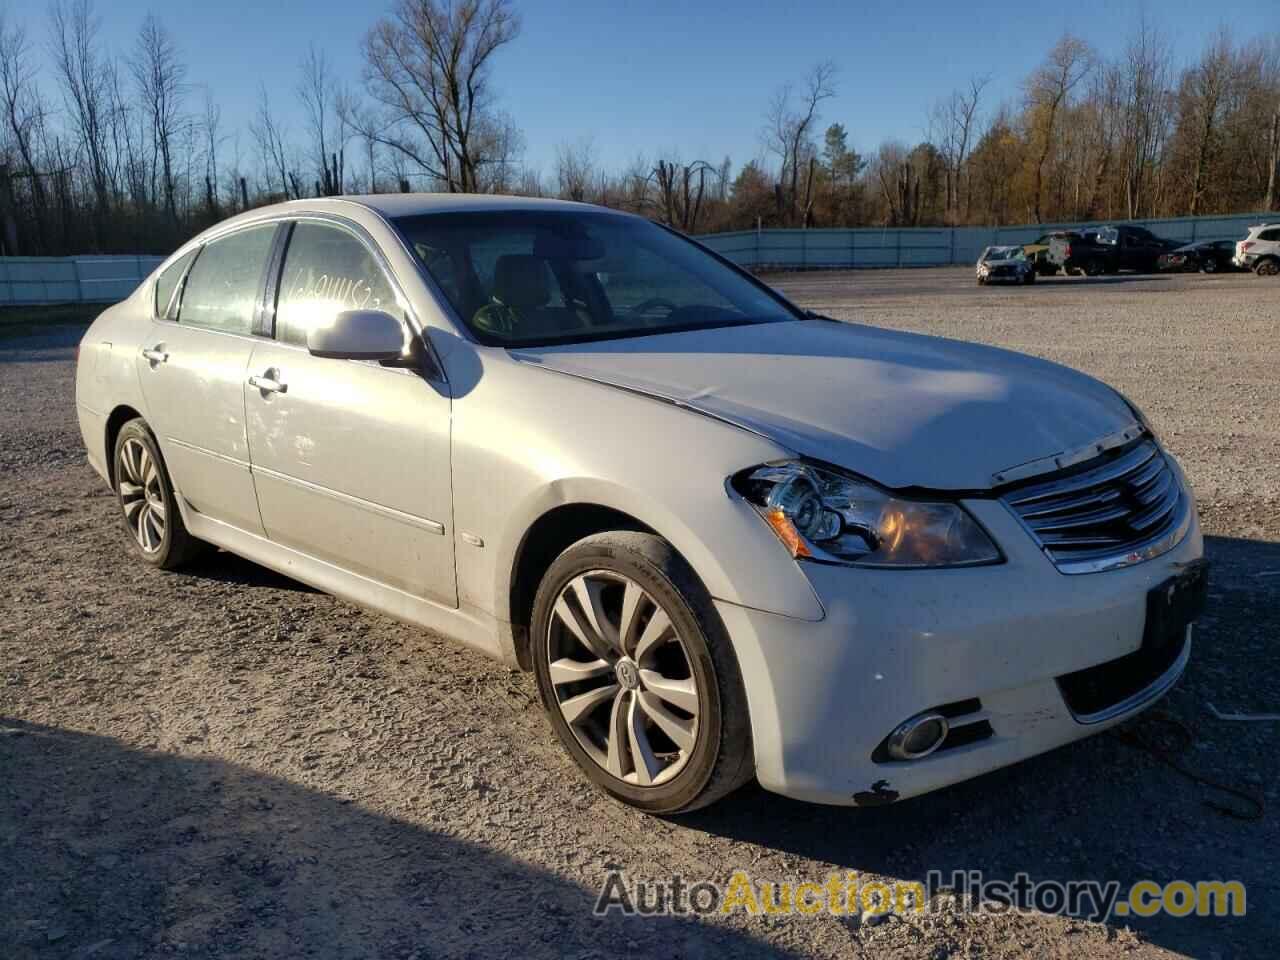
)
(326, 271)
(1269, 235)
(222, 288)
(167, 284)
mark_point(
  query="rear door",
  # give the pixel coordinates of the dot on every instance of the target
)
(192, 369)
(350, 458)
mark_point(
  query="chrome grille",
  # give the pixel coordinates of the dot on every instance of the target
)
(1121, 508)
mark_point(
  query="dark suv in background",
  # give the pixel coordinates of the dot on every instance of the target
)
(1109, 250)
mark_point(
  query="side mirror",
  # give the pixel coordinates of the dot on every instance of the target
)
(358, 335)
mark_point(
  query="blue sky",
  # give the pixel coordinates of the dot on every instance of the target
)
(689, 74)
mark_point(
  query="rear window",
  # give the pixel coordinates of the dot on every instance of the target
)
(222, 288)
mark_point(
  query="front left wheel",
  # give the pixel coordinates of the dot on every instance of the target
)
(637, 674)
(147, 503)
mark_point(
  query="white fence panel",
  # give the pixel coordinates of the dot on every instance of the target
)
(36, 280)
(934, 246)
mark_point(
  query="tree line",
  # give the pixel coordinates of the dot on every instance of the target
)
(106, 151)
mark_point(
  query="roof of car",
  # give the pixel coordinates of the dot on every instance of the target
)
(411, 204)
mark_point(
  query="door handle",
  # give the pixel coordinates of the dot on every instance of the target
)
(155, 355)
(268, 385)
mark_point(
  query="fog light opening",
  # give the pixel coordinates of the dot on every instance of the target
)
(918, 737)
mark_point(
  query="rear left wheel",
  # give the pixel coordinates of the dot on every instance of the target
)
(147, 503)
(637, 675)
(1267, 268)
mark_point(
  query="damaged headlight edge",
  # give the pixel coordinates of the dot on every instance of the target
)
(820, 514)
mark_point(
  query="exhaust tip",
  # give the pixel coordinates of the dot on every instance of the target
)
(918, 737)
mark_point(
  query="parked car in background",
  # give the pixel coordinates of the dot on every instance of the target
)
(1208, 256)
(1005, 264)
(1109, 250)
(1260, 251)
(727, 537)
(1038, 253)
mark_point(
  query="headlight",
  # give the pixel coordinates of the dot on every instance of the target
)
(822, 515)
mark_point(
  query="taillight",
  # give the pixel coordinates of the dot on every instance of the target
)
(1246, 245)
(1067, 253)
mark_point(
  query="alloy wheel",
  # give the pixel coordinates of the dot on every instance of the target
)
(141, 494)
(622, 677)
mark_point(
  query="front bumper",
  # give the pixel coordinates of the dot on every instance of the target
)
(823, 696)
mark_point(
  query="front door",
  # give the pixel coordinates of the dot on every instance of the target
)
(192, 370)
(350, 458)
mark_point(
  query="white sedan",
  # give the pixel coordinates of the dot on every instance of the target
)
(730, 538)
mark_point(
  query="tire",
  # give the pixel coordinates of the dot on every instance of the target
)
(1071, 271)
(1268, 267)
(148, 509)
(981, 282)
(691, 646)
(1210, 266)
(1030, 277)
(1094, 268)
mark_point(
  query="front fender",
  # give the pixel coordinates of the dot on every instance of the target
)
(528, 440)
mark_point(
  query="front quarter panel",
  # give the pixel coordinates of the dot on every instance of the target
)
(527, 440)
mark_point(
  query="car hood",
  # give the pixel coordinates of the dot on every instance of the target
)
(902, 409)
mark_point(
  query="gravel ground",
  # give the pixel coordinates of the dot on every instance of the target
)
(223, 762)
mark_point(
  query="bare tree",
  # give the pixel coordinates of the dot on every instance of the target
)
(161, 80)
(213, 139)
(1146, 117)
(789, 124)
(575, 169)
(270, 135)
(87, 78)
(24, 116)
(681, 187)
(955, 121)
(318, 93)
(428, 65)
(1047, 90)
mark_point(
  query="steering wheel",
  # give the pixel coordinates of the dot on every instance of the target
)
(653, 303)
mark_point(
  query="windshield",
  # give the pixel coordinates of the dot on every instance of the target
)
(528, 278)
(1003, 253)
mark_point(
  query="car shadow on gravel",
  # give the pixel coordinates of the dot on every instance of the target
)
(114, 852)
(1106, 808)
(223, 567)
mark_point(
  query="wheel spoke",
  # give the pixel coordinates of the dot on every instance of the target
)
(632, 595)
(590, 594)
(565, 670)
(657, 627)
(582, 631)
(680, 731)
(143, 534)
(157, 507)
(647, 766)
(128, 489)
(154, 527)
(576, 709)
(131, 507)
(682, 693)
(617, 735)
